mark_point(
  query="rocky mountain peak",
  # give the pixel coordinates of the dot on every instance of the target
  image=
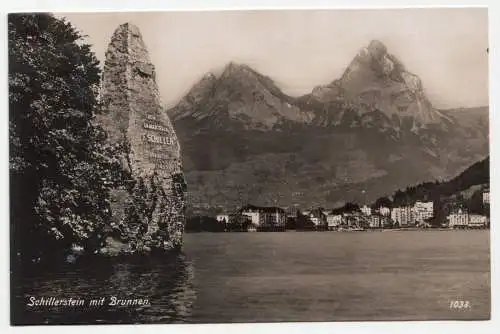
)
(376, 47)
(206, 83)
(200, 91)
(376, 80)
(233, 68)
(245, 77)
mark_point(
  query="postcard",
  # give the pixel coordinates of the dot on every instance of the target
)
(249, 166)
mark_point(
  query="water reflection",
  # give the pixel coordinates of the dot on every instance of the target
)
(164, 287)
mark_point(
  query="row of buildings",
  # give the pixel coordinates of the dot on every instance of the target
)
(258, 217)
(415, 215)
(461, 218)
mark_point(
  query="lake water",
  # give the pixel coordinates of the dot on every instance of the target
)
(269, 277)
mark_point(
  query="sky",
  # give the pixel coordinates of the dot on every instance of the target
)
(301, 49)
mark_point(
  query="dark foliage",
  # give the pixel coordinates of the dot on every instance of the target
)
(347, 208)
(382, 202)
(60, 170)
(440, 193)
(204, 224)
(303, 223)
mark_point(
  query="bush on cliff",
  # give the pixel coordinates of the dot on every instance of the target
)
(60, 169)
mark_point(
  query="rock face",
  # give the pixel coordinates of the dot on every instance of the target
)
(240, 94)
(148, 209)
(195, 96)
(376, 80)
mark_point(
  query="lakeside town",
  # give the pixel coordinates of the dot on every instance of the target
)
(350, 217)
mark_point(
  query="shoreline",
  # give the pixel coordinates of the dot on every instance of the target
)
(410, 229)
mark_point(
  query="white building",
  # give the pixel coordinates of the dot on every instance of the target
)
(268, 217)
(486, 196)
(403, 216)
(254, 216)
(477, 220)
(384, 211)
(459, 218)
(333, 221)
(316, 221)
(423, 211)
(375, 221)
(222, 218)
(366, 210)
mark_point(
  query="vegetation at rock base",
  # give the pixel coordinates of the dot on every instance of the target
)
(141, 228)
(61, 171)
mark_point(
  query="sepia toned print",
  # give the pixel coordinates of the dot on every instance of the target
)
(249, 166)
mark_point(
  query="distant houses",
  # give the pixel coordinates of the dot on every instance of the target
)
(334, 221)
(403, 216)
(319, 218)
(478, 221)
(460, 218)
(222, 218)
(420, 214)
(423, 211)
(265, 218)
(384, 211)
(379, 221)
(366, 210)
(412, 215)
(486, 196)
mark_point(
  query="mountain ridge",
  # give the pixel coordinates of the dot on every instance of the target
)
(244, 139)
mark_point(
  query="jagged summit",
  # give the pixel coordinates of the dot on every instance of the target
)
(239, 93)
(376, 80)
(247, 76)
(375, 84)
(200, 91)
(374, 62)
(233, 66)
(376, 49)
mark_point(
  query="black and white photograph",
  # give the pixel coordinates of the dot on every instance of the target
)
(249, 166)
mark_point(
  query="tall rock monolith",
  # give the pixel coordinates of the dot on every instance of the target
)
(148, 207)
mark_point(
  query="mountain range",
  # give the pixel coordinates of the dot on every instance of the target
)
(364, 135)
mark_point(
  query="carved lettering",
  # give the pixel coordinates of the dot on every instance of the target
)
(158, 156)
(162, 166)
(157, 127)
(152, 138)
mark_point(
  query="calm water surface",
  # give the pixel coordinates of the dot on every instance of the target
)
(268, 277)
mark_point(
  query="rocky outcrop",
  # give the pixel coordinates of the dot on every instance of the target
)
(199, 92)
(376, 80)
(148, 208)
(241, 94)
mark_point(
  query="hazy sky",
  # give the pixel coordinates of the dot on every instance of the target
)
(302, 49)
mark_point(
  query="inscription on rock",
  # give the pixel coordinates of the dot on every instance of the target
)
(155, 139)
(159, 136)
(157, 127)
